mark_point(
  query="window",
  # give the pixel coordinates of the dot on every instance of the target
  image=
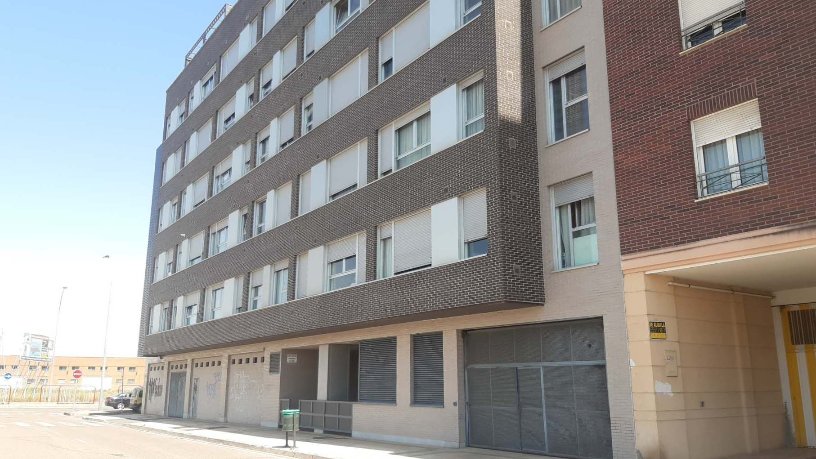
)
(288, 4)
(378, 370)
(256, 290)
(474, 223)
(226, 116)
(196, 249)
(342, 273)
(191, 308)
(199, 191)
(408, 40)
(259, 217)
(730, 150)
(308, 113)
(386, 252)
(270, 16)
(575, 229)
(427, 378)
(349, 83)
(413, 141)
(218, 237)
(288, 59)
(245, 229)
(286, 126)
(131, 369)
(305, 197)
(702, 21)
(344, 172)
(281, 286)
(267, 77)
(568, 97)
(345, 11)
(207, 84)
(120, 368)
(222, 176)
(63, 368)
(203, 137)
(556, 9)
(472, 98)
(216, 302)
(264, 148)
(471, 9)
(229, 59)
(309, 40)
(283, 204)
(412, 242)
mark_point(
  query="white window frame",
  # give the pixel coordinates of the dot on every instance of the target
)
(564, 104)
(545, 12)
(346, 272)
(307, 110)
(337, 27)
(733, 164)
(464, 123)
(281, 145)
(216, 245)
(283, 75)
(215, 301)
(271, 81)
(222, 180)
(276, 291)
(207, 84)
(417, 147)
(464, 12)
(259, 217)
(557, 232)
(307, 53)
(385, 265)
(272, 7)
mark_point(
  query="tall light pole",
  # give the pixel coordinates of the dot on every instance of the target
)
(105, 346)
(54, 345)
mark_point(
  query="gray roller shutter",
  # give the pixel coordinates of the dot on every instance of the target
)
(412, 242)
(573, 190)
(474, 215)
(343, 171)
(378, 370)
(427, 380)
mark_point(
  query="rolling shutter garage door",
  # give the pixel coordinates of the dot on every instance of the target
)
(378, 370)
(540, 389)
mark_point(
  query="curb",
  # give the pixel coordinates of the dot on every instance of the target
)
(282, 451)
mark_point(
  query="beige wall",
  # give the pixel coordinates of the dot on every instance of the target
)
(726, 398)
(211, 388)
(595, 290)
(245, 388)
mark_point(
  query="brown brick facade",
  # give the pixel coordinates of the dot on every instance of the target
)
(656, 89)
(502, 159)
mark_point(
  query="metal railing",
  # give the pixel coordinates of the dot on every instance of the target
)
(326, 415)
(207, 33)
(66, 394)
(733, 177)
(696, 34)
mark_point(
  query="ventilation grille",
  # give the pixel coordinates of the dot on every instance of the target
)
(274, 363)
(802, 326)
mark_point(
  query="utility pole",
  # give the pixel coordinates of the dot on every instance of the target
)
(105, 346)
(53, 354)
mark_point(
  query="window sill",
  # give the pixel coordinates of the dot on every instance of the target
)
(727, 193)
(550, 24)
(715, 39)
(552, 144)
(564, 270)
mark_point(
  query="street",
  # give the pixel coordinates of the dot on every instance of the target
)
(49, 433)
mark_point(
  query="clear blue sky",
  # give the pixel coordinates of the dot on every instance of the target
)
(82, 88)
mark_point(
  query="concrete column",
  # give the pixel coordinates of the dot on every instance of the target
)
(404, 370)
(188, 388)
(225, 384)
(323, 372)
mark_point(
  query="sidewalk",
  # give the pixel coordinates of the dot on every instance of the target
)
(309, 445)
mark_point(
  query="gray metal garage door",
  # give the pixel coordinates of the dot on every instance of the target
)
(175, 395)
(539, 389)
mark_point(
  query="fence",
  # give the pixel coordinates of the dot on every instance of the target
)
(57, 394)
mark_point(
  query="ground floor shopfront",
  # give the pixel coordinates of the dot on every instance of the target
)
(722, 337)
(533, 379)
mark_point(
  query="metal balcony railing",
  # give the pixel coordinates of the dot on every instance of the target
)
(715, 25)
(207, 33)
(733, 177)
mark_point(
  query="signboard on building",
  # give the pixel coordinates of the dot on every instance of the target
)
(36, 347)
(291, 358)
(657, 330)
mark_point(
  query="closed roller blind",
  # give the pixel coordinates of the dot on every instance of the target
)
(386, 46)
(566, 65)
(200, 190)
(229, 59)
(413, 37)
(309, 38)
(197, 245)
(283, 204)
(727, 123)
(302, 262)
(204, 136)
(223, 166)
(386, 149)
(573, 190)
(412, 242)
(386, 230)
(289, 58)
(343, 171)
(344, 86)
(266, 73)
(693, 12)
(305, 191)
(342, 249)
(427, 381)
(192, 298)
(474, 215)
(256, 278)
(287, 126)
(378, 370)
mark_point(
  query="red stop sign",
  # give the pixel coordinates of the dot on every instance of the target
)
(77, 374)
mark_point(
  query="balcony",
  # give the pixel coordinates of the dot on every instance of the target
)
(742, 175)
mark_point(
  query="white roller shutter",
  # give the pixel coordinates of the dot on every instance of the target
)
(573, 190)
(412, 242)
(302, 274)
(200, 190)
(287, 126)
(386, 149)
(267, 75)
(305, 200)
(566, 65)
(309, 40)
(323, 26)
(386, 47)
(283, 204)
(474, 215)
(192, 147)
(412, 37)
(344, 86)
(341, 249)
(196, 246)
(319, 179)
(289, 58)
(726, 123)
(204, 136)
(444, 119)
(320, 95)
(270, 16)
(693, 12)
(179, 316)
(317, 264)
(362, 160)
(443, 20)
(229, 59)
(343, 170)
(155, 318)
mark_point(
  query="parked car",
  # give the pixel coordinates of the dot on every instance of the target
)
(136, 400)
(119, 401)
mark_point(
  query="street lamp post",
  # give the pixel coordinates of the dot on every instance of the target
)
(54, 346)
(105, 346)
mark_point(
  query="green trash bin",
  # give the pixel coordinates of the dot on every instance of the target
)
(290, 420)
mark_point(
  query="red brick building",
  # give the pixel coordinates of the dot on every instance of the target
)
(713, 108)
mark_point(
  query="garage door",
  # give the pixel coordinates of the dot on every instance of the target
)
(245, 383)
(539, 389)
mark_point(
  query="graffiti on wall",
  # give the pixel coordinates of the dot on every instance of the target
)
(212, 387)
(155, 387)
(243, 386)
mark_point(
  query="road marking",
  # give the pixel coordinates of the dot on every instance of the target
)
(45, 424)
(22, 424)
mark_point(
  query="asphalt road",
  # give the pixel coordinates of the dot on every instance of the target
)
(49, 433)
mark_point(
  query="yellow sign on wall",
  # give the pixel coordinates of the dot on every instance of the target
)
(657, 330)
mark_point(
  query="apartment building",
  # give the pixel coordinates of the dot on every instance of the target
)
(122, 372)
(713, 131)
(348, 218)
